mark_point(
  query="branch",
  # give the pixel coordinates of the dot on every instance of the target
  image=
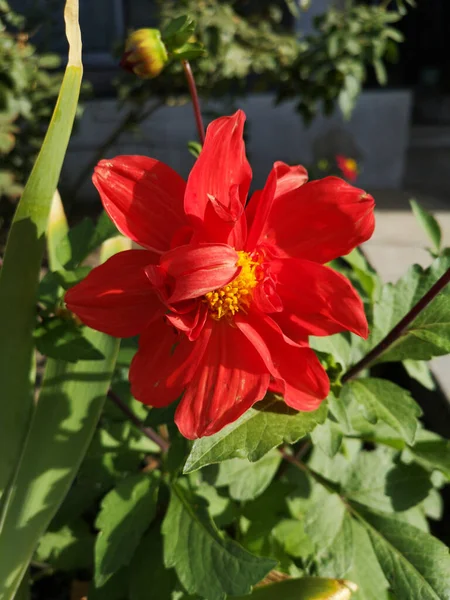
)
(147, 431)
(398, 330)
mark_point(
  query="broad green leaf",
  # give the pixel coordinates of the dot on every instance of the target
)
(221, 508)
(147, 571)
(19, 276)
(291, 535)
(307, 588)
(221, 567)
(324, 518)
(337, 560)
(337, 345)
(416, 564)
(420, 371)
(64, 339)
(68, 548)
(69, 406)
(428, 223)
(376, 481)
(116, 588)
(328, 436)
(385, 401)
(125, 514)
(433, 454)
(366, 571)
(265, 426)
(429, 334)
(248, 480)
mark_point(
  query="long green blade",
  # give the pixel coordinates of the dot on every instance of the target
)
(20, 272)
(66, 415)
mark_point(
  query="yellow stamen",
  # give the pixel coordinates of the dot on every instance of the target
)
(351, 164)
(236, 295)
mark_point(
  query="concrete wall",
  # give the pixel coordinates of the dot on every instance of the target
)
(377, 135)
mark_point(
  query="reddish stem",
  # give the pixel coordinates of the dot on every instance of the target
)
(195, 100)
(395, 333)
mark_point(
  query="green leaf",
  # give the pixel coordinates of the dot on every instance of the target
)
(248, 480)
(338, 558)
(147, 569)
(416, 564)
(324, 518)
(366, 571)
(374, 480)
(56, 233)
(222, 566)
(69, 406)
(68, 548)
(428, 223)
(429, 334)
(63, 339)
(328, 436)
(19, 276)
(433, 454)
(265, 426)
(420, 371)
(125, 514)
(336, 345)
(291, 535)
(307, 588)
(385, 401)
(194, 148)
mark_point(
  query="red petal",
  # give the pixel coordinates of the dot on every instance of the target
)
(195, 270)
(229, 380)
(116, 297)
(316, 300)
(319, 221)
(165, 362)
(282, 179)
(218, 184)
(143, 197)
(296, 369)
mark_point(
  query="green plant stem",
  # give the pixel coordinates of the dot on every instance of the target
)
(147, 431)
(195, 100)
(398, 330)
(130, 118)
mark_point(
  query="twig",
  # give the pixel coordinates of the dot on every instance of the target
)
(147, 431)
(195, 100)
(398, 330)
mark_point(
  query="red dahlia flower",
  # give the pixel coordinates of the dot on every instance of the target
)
(348, 167)
(224, 297)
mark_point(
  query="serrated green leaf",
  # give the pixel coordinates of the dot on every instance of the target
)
(420, 371)
(248, 480)
(147, 571)
(433, 454)
(125, 514)
(385, 401)
(64, 340)
(428, 223)
(68, 548)
(307, 588)
(328, 436)
(416, 564)
(366, 571)
(429, 334)
(222, 566)
(265, 426)
(375, 481)
(337, 560)
(291, 535)
(324, 518)
(337, 345)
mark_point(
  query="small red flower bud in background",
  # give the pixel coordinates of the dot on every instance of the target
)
(348, 166)
(145, 53)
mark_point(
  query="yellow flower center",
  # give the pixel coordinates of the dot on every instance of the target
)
(351, 164)
(236, 295)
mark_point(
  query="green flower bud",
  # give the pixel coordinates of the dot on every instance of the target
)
(145, 53)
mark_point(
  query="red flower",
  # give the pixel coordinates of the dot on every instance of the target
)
(224, 298)
(348, 167)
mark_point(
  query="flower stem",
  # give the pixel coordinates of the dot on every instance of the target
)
(195, 100)
(147, 431)
(398, 330)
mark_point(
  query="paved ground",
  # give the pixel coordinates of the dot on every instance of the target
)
(399, 241)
